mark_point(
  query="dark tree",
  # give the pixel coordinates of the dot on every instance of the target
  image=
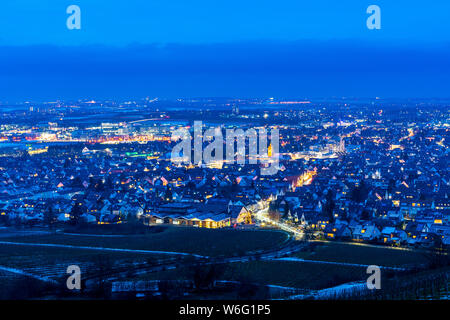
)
(360, 193)
(168, 195)
(204, 276)
(391, 185)
(234, 186)
(49, 216)
(77, 183)
(76, 213)
(286, 209)
(328, 208)
(365, 215)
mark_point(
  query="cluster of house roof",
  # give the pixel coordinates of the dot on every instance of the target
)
(380, 191)
(388, 182)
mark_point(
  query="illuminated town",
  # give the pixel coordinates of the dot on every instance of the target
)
(353, 173)
(224, 159)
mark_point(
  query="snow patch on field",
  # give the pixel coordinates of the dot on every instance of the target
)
(24, 273)
(99, 248)
(333, 263)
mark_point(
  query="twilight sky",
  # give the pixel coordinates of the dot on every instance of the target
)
(284, 48)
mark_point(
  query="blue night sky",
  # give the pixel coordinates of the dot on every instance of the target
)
(285, 48)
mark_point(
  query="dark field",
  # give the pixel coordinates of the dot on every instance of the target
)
(177, 239)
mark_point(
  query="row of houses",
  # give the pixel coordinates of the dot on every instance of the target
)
(206, 216)
(413, 234)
